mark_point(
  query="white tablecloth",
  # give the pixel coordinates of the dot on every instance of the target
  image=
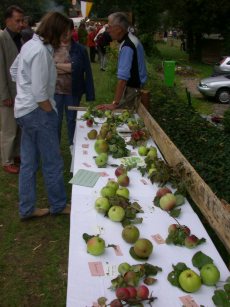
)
(84, 289)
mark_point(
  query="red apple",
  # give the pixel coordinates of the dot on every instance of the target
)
(116, 303)
(142, 292)
(131, 278)
(89, 122)
(186, 230)
(191, 241)
(123, 180)
(120, 171)
(122, 293)
(132, 292)
(162, 191)
(173, 228)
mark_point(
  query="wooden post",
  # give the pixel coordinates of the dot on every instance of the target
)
(215, 211)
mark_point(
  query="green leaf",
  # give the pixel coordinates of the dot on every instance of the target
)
(151, 270)
(180, 200)
(156, 201)
(200, 259)
(175, 212)
(173, 277)
(220, 299)
(137, 220)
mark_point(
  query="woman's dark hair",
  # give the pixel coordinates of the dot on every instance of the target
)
(11, 9)
(51, 28)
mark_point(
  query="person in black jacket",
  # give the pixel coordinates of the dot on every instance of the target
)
(74, 78)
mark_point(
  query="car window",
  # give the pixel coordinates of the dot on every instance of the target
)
(228, 77)
(228, 63)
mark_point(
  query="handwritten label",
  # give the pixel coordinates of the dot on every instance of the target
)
(96, 268)
(85, 145)
(118, 251)
(158, 238)
(188, 301)
(86, 164)
(143, 181)
(110, 269)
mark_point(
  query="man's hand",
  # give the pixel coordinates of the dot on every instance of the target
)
(45, 106)
(106, 106)
(7, 102)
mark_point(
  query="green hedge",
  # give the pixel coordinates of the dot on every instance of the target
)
(205, 146)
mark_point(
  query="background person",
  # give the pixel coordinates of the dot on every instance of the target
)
(74, 78)
(35, 74)
(27, 31)
(10, 46)
(131, 72)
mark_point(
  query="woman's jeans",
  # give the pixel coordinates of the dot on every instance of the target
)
(62, 103)
(39, 140)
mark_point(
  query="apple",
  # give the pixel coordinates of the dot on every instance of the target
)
(125, 115)
(162, 191)
(189, 281)
(123, 268)
(151, 170)
(131, 278)
(124, 192)
(107, 192)
(186, 230)
(120, 170)
(142, 292)
(108, 113)
(130, 234)
(112, 184)
(191, 241)
(132, 291)
(96, 246)
(89, 122)
(210, 274)
(116, 303)
(152, 154)
(168, 202)
(143, 150)
(143, 248)
(102, 205)
(123, 180)
(173, 228)
(101, 146)
(102, 159)
(92, 134)
(116, 213)
(122, 293)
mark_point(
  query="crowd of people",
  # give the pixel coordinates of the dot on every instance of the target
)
(41, 75)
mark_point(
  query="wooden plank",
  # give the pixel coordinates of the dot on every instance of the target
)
(215, 211)
(73, 108)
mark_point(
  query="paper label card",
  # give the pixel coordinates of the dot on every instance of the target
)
(110, 269)
(104, 174)
(158, 238)
(188, 301)
(85, 145)
(96, 269)
(85, 178)
(118, 251)
(86, 164)
(85, 152)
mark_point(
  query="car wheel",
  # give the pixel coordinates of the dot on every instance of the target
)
(223, 96)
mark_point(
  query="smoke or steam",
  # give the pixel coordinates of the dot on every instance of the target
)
(52, 6)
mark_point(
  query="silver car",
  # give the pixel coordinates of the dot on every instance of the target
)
(216, 86)
(223, 66)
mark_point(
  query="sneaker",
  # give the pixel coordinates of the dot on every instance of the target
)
(11, 168)
(38, 212)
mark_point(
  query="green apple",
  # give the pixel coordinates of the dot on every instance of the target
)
(116, 213)
(143, 248)
(113, 184)
(143, 150)
(130, 234)
(152, 170)
(123, 268)
(107, 192)
(152, 154)
(101, 146)
(168, 201)
(122, 191)
(189, 281)
(102, 205)
(210, 274)
(102, 159)
(92, 134)
(96, 246)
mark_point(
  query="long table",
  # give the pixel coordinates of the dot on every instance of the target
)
(83, 288)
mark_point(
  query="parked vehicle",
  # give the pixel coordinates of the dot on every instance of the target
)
(223, 66)
(216, 86)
